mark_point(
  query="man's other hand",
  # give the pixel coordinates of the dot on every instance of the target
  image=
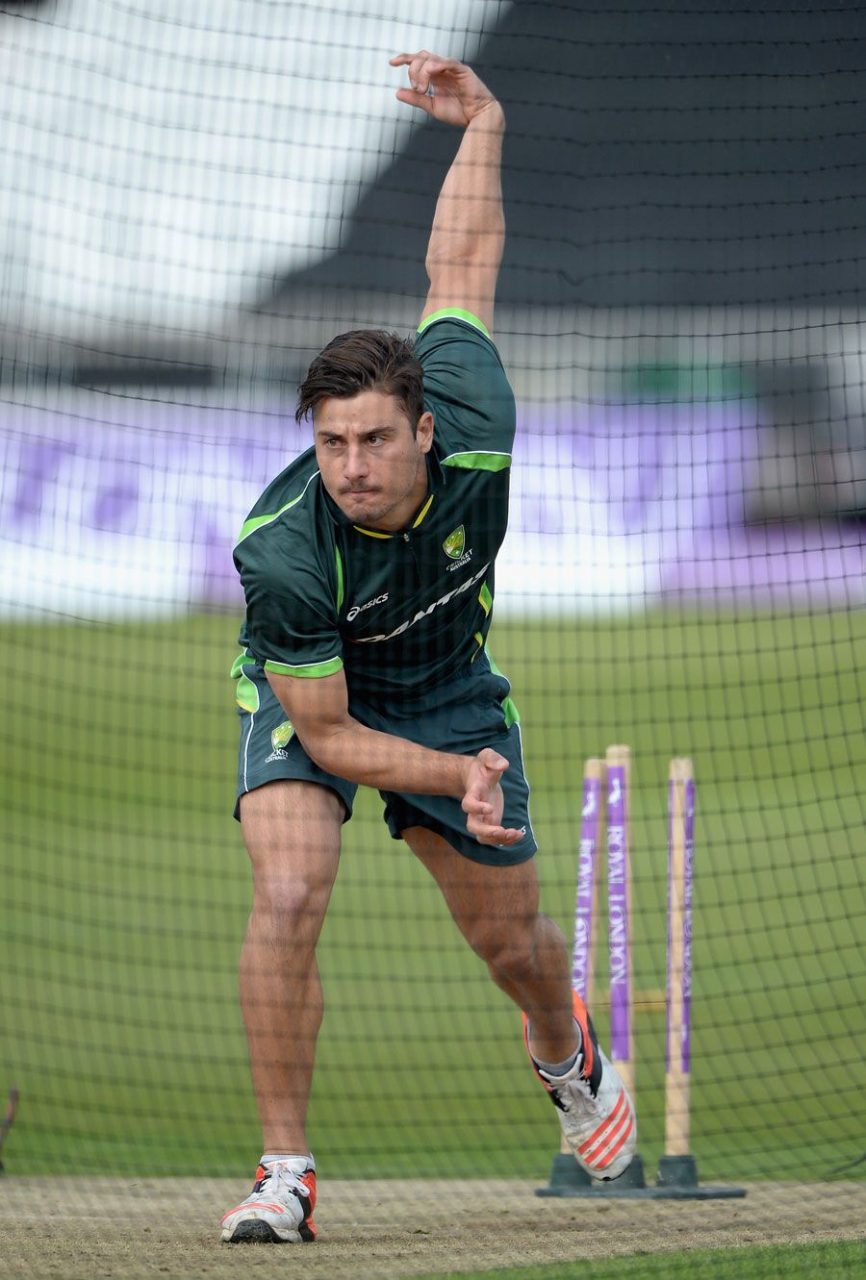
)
(484, 802)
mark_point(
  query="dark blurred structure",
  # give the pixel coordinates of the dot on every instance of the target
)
(685, 191)
(681, 156)
(662, 162)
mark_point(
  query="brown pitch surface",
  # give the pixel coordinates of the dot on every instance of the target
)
(86, 1228)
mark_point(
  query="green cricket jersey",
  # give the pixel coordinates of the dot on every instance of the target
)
(405, 613)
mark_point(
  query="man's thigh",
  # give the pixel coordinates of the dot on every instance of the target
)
(293, 824)
(487, 902)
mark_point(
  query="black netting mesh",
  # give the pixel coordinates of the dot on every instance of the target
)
(193, 200)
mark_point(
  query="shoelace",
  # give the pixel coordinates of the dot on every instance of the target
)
(575, 1080)
(277, 1174)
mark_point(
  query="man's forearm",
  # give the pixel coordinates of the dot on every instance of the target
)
(340, 744)
(386, 762)
(469, 223)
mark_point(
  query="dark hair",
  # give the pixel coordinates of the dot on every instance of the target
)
(365, 360)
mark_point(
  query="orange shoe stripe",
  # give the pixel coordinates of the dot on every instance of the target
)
(581, 1017)
(610, 1136)
(613, 1136)
(587, 1047)
(613, 1132)
(609, 1118)
(271, 1208)
(616, 1150)
(309, 1181)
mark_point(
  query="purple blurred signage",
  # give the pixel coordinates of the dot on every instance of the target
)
(114, 507)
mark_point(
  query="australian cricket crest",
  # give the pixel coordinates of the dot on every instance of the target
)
(455, 544)
(280, 739)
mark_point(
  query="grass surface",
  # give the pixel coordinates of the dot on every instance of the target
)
(833, 1260)
(126, 891)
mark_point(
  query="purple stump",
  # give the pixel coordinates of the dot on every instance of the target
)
(584, 906)
(618, 892)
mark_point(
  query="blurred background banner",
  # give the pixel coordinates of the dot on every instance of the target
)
(613, 506)
(195, 198)
(190, 207)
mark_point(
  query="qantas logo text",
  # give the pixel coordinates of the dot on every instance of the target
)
(425, 613)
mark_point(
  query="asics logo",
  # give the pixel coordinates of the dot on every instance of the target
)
(361, 608)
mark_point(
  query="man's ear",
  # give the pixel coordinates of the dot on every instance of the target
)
(424, 432)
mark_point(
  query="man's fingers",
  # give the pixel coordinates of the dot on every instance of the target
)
(484, 833)
(422, 65)
(415, 99)
(492, 760)
(419, 70)
(477, 812)
(403, 59)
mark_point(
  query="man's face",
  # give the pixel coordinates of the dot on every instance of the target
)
(371, 463)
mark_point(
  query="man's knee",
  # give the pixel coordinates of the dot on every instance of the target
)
(292, 833)
(519, 947)
(290, 900)
(506, 946)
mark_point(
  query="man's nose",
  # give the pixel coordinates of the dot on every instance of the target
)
(356, 462)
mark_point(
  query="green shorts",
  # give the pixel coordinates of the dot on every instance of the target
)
(472, 713)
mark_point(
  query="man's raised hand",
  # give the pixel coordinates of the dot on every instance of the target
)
(446, 89)
(483, 802)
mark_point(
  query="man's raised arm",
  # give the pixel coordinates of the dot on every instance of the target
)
(468, 233)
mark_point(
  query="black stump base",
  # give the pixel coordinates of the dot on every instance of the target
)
(677, 1179)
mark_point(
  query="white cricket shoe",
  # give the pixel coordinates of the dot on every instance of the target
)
(596, 1114)
(279, 1209)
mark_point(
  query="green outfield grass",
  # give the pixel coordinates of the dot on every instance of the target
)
(126, 891)
(833, 1260)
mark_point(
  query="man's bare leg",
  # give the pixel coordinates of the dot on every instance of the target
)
(496, 910)
(292, 834)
